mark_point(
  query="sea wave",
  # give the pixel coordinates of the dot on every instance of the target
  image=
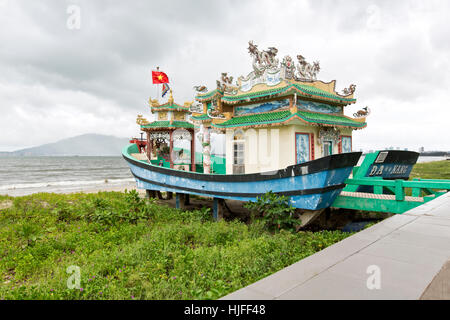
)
(51, 184)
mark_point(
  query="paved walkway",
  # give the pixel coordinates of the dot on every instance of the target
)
(408, 250)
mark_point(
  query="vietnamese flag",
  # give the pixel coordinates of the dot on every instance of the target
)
(159, 77)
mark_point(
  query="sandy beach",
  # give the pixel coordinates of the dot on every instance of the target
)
(85, 189)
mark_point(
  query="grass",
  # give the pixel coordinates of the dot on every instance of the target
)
(129, 248)
(431, 170)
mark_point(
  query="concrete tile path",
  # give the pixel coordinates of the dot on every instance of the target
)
(408, 250)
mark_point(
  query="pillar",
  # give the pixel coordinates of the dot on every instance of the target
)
(149, 146)
(171, 148)
(206, 151)
(192, 151)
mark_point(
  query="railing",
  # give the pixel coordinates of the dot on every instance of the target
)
(395, 196)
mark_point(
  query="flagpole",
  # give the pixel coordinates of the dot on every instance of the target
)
(157, 86)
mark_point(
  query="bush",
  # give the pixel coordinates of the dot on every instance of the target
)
(275, 211)
(109, 212)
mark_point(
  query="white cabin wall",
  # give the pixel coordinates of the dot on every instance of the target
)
(281, 149)
(286, 147)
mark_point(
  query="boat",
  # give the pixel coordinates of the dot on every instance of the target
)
(284, 131)
(386, 165)
(311, 185)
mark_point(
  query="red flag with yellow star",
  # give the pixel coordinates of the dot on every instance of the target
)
(159, 77)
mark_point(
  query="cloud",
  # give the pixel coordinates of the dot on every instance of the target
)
(56, 82)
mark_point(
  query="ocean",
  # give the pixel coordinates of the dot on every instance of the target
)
(26, 175)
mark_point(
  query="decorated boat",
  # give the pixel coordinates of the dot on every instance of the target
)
(277, 129)
(384, 164)
(311, 185)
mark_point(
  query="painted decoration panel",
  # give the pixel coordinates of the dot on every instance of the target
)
(162, 115)
(346, 144)
(196, 108)
(179, 115)
(302, 147)
(318, 107)
(261, 107)
(269, 78)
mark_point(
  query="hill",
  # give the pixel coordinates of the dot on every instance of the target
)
(83, 145)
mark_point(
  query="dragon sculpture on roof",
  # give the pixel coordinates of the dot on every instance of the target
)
(263, 60)
(266, 61)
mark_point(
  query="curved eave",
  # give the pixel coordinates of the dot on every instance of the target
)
(290, 118)
(201, 117)
(169, 107)
(290, 89)
(209, 95)
(166, 125)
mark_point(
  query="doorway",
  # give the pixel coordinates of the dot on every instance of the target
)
(327, 148)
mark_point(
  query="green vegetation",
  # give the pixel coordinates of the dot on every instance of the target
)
(431, 170)
(130, 248)
(275, 212)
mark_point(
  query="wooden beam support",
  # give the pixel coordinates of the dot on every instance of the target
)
(180, 199)
(218, 208)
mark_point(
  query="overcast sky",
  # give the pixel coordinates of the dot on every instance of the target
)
(58, 80)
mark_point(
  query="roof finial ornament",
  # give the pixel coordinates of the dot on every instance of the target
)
(362, 113)
(287, 68)
(263, 60)
(201, 88)
(225, 84)
(153, 102)
(307, 71)
(350, 90)
(140, 120)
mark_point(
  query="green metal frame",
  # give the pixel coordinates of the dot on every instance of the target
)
(431, 188)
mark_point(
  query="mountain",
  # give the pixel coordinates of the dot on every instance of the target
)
(84, 145)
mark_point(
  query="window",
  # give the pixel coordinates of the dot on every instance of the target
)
(346, 144)
(302, 147)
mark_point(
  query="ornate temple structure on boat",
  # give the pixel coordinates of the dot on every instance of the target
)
(276, 116)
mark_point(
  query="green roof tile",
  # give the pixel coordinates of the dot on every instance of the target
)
(254, 119)
(203, 116)
(166, 124)
(281, 116)
(208, 95)
(173, 106)
(309, 90)
(329, 119)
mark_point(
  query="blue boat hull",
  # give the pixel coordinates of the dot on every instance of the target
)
(312, 185)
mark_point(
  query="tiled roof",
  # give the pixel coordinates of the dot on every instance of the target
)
(254, 119)
(329, 119)
(209, 95)
(173, 106)
(167, 124)
(201, 117)
(301, 89)
(282, 116)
